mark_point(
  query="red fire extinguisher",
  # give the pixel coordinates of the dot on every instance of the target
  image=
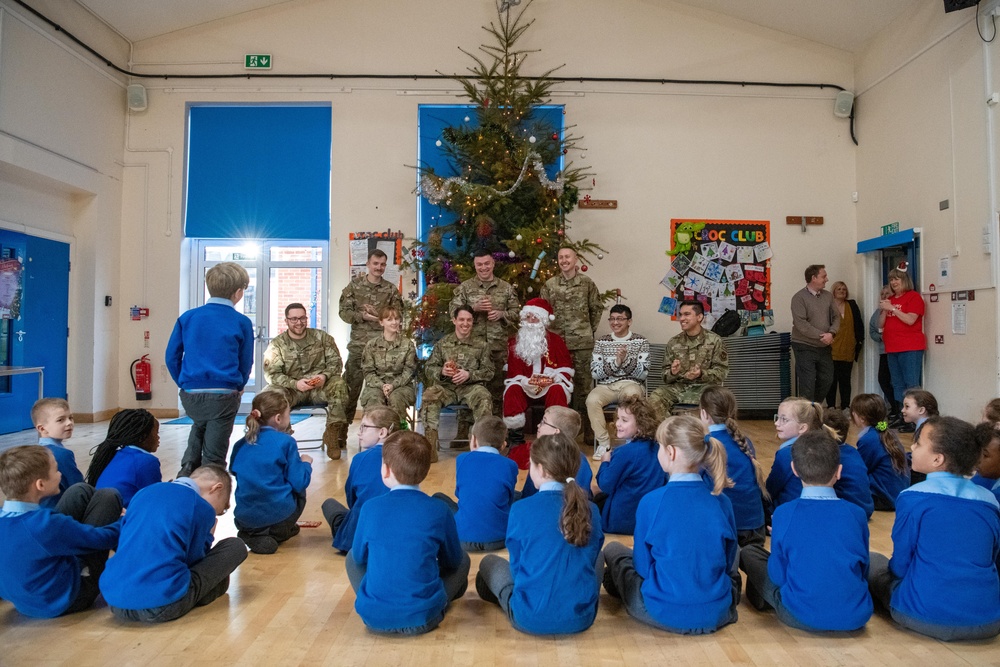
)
(142, 378)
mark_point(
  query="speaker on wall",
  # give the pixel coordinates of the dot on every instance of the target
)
(843, 104)
(136, 94)
(955, 5)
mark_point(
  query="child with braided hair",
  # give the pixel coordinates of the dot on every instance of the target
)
(718, 414)
(881, 450)
(124, 460)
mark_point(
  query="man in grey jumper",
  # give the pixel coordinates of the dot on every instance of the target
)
(815, 320)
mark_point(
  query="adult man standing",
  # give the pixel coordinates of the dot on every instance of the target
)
(815, 321)
(619, 366)
(304, 364)
(694, 359)
(539, 367)
(360, 303)
(578, 308)
(495, 305)
(456, 372)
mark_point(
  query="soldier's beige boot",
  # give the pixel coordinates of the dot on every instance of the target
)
(342, 435)
(462, 436)
(432, 437)
(330, 436)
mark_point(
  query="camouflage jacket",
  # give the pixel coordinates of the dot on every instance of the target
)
(386, 362)
(471, 355)
(503, 298)
(352, 301)
(286, 360)
(706, 349)
(578, 309)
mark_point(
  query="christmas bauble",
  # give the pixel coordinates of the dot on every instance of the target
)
(584, 268)
(530, 289)
(555, 136)
(532, 139)
(512, 254)
(438, 143)
(600, 256)
(519, 237)
(538, 241)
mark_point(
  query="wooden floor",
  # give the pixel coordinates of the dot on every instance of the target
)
(297, 607)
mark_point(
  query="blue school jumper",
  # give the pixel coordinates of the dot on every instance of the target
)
(211, 347)
(583, 477)
(484, 486)
(167, 529)
(782, 484)
(853, 486)
(131, 469)
(946, 545)
(748, 507)
(555, 583)
(38, 548)
(364, 482)
(685, 551)
(992, 485)
(884, 481)
(819, 560)
(66, 462)
(632, 472)
(269, 476)
(405, 539)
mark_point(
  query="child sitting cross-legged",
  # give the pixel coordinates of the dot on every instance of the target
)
(364, 479)
(54, 422)
(124, 460)
(52, 559)
(815, 576)
(942, 578)
(560, 419)
(406, 564)
(682, 576)
(165, 564)
(552, 583)
(484, 485)
(881, 450)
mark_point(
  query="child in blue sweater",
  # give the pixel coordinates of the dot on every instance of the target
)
(124, 460)
(718, 413)
(683, 575)
(881, 450)
(853, 484)
(484, 485)
(209, 356)
(54, 422)
(165, 564)
(816, 575)
(552, 583)
(406, 564)
(364, 480)
(52, 559)
(559, 419)
(942, 579)
(271, 476)
(630, 471)
(918, 406)
(988, 469)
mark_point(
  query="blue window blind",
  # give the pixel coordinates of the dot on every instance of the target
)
(258, 172)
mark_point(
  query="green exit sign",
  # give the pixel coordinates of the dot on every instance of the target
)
(257, 61)
(891, 228)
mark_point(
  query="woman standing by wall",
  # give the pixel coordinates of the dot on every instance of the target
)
(846, 346)
(901, 318)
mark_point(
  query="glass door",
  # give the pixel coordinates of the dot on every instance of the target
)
(281, 272)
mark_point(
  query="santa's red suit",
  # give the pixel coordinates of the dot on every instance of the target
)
(556, 364)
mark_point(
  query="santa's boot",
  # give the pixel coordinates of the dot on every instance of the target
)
(330, 436)
(432, 438)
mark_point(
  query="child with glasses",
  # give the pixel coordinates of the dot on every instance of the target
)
(559, 419)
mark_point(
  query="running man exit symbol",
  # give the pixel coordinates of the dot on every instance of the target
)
(257, 61)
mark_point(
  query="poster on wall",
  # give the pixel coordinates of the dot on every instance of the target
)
(389, 242)
(724, 264)
(11, 288)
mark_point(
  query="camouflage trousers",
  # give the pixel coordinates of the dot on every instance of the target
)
(582, 381)
(495, 387)
(400, 399)
(476, 396)
(353, 379)
(333, 393)
(667, 396)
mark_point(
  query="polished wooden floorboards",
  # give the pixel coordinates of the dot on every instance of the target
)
(297, 607)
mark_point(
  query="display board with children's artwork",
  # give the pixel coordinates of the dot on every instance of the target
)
(389, 242)
(724, 264)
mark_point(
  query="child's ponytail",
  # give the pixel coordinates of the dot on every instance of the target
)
(559, 457)
(127, 427)
(871, 410)
(266, 404)
(687, 433)
(714, 461)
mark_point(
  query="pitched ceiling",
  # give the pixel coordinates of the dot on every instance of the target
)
(843, 24)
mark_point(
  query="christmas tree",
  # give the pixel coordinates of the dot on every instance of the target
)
(503, 193)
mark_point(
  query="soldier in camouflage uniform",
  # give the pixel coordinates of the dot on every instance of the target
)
(304, 364)
(578, 309)
(388, 363)
(694, 359)
(360, 303)
(456, 372)
(497, 313)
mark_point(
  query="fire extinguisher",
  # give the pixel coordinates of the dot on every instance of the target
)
(142, 378)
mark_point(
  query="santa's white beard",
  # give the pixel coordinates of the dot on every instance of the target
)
(531, 342)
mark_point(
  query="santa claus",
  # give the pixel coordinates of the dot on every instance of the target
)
(539, 365)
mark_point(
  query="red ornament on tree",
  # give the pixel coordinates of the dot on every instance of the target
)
(555, 136)
(560, 232)
(584, 268)
(538, 241)
(484, 229)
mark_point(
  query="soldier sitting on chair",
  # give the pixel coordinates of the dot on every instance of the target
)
(456, 372)
(304, 364)
(694, 359)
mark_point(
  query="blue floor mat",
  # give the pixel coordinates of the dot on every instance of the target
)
(181, 421)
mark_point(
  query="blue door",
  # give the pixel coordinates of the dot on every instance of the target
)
(34, 303)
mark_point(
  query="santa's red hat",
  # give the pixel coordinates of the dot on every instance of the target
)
(541, 308)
